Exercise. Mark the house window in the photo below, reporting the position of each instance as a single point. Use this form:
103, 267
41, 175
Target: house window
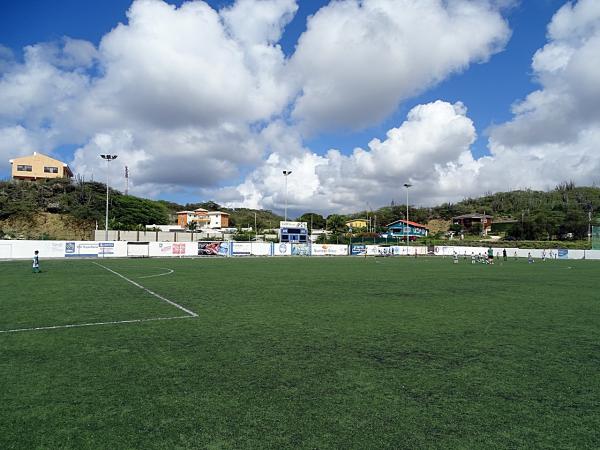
24, 168
48, 169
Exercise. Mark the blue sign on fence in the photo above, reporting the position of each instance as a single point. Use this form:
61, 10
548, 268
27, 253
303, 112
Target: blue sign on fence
358, 249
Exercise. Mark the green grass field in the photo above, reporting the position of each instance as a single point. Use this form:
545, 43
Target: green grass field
300, 353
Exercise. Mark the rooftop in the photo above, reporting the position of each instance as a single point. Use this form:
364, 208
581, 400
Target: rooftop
414, 224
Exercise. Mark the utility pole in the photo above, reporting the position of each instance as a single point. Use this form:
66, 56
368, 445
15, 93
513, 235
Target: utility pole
108, 158
590, 225
126, 180
285, 174
407, 185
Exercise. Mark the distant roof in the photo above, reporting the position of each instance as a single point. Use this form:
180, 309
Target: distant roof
473, 216
352, 220
212, 213
414, 224
201, 209
185, 212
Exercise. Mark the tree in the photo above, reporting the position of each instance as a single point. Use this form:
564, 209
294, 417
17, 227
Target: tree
317, 220
336, 224
456, 227
575, 225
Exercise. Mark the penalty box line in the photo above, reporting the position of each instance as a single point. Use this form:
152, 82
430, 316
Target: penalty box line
158, 296
91, 324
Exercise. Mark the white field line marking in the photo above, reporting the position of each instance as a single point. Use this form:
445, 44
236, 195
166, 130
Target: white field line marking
191, 313
160, 274
78, 325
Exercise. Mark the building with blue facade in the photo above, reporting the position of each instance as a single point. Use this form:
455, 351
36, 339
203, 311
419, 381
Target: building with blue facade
402, 228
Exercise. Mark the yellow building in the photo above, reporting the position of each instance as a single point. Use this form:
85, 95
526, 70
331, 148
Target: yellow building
38, 167
357, 224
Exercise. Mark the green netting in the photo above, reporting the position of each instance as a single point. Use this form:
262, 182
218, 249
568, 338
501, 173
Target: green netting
596, 238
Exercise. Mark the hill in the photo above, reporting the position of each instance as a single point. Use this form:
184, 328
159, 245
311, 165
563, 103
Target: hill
63, 209
563, 211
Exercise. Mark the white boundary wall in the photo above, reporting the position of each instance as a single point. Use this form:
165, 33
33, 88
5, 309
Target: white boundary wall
16, 249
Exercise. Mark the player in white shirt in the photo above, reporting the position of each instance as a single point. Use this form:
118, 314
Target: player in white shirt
36, 262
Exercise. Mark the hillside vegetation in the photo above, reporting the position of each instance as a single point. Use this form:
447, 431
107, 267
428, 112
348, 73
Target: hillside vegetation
562, 212
62, 209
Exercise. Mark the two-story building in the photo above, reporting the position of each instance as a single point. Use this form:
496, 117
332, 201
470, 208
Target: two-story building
218, 219
466, 221
402, 228
202, 218
38, 167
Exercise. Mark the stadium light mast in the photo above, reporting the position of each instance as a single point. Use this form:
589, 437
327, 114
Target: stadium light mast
407, 185
285, 174
108, 158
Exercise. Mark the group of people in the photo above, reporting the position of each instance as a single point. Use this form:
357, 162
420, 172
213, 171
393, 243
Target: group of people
481, 258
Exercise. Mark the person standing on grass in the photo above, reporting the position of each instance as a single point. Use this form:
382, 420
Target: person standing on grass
36, 262
504, 254
490, 256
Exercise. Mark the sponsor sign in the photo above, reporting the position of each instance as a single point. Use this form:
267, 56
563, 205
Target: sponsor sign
300, 250
81, 249
284, 224
213, 248
224, 248
282, 249
241, 248
563, 253
329, 250
106, 248
358, 249
165, 248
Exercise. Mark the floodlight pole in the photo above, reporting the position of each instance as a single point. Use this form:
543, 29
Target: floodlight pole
590, 226
285, 174
407, 185
108, 158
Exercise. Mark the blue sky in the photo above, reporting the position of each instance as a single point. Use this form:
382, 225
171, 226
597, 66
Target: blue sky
488, 85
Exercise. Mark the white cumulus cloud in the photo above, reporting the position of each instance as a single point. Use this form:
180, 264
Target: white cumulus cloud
434, 139
359, 58
192, 97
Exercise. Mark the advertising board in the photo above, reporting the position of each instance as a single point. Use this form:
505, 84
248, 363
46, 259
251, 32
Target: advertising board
282, 249
213, 248
300, 250
358, 250
329, 250
241, 248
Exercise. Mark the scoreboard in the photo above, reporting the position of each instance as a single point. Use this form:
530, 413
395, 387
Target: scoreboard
293, 232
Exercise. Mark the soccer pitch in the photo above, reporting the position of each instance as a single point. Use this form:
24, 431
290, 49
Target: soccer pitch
299, 353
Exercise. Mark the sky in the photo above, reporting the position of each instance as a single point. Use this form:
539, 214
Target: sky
212, 100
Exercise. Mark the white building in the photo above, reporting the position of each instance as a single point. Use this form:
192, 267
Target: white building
218, 219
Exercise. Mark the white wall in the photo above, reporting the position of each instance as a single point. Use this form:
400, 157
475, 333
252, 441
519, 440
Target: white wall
17, 249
